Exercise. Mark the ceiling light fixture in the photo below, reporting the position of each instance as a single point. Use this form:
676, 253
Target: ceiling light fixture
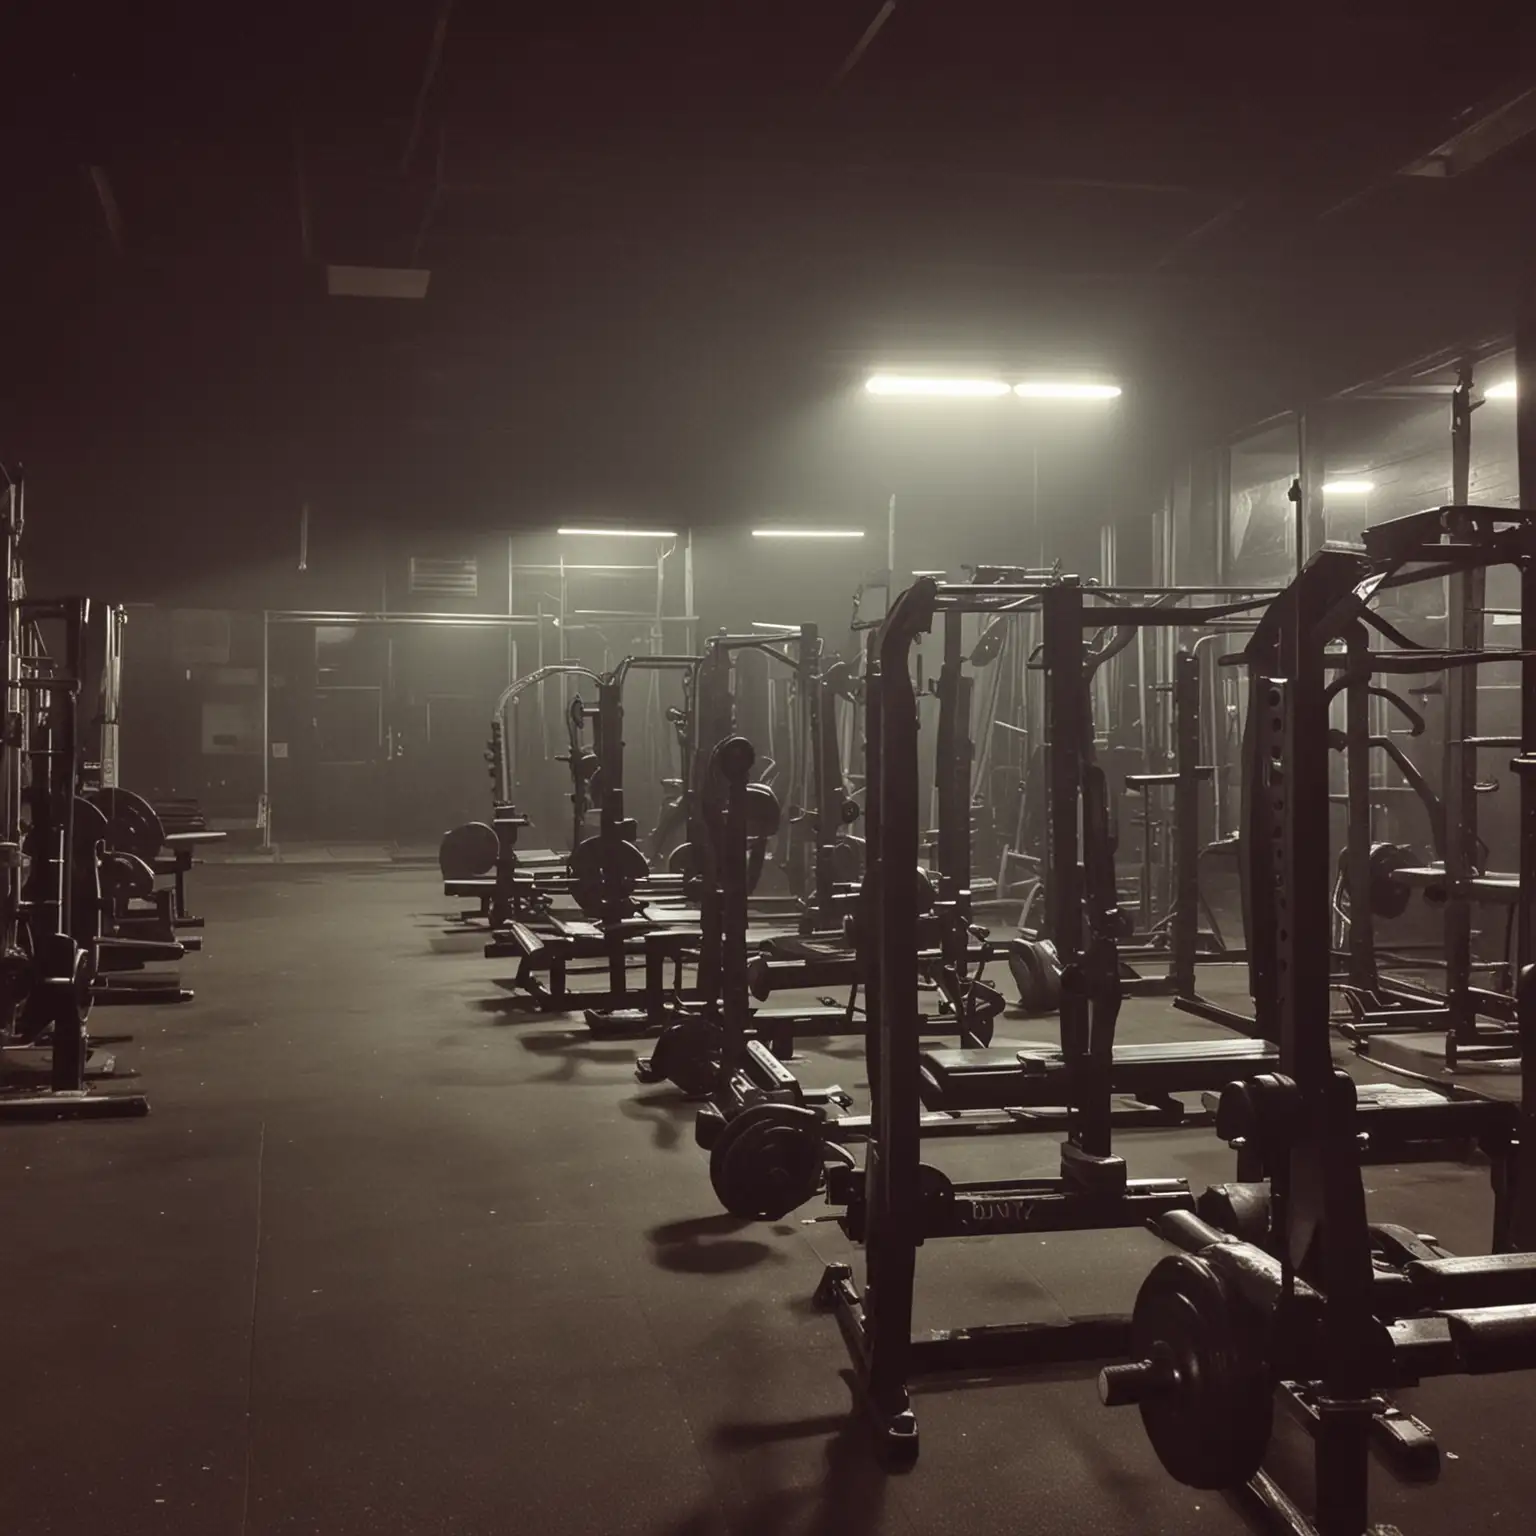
1047, 389
1503, 391
917, 385
807, 533
1348, 487
616, 533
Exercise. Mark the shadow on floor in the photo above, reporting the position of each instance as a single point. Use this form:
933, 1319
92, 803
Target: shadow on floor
708, 1245
669, 1115
521, 1005
570, 1048
456, 941
847, 1496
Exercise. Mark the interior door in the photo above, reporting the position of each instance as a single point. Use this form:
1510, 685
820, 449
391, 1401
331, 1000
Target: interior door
349, 756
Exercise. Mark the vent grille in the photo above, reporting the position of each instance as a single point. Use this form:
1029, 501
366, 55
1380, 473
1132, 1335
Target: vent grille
444, 578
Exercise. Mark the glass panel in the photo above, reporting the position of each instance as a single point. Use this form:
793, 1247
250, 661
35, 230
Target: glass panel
1261, 519
1495, 466
1383, 459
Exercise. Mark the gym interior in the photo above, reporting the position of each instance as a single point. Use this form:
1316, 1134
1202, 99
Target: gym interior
769, 772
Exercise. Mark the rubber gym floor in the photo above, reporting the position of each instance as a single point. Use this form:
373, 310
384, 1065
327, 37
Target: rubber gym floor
393, 1254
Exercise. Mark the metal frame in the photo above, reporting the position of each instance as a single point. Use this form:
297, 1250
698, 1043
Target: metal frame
40, 769
897, 1204
1318, 1191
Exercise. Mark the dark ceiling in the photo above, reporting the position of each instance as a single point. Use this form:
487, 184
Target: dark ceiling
649, 225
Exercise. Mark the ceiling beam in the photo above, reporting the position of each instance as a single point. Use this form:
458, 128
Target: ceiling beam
428, 75
109, 209
1480, 140
860, 48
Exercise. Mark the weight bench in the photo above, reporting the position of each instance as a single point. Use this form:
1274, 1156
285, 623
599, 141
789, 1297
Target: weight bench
1432, 880
660, 946
828, 962
119, 964
1397, 1118
538, 865
999, 1077
541, 884
176, 864
553, 950
803, 962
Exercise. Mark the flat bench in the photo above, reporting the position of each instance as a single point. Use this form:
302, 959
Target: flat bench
1432, 880
1002, 1077
181, 846
1395, 1117
799, 961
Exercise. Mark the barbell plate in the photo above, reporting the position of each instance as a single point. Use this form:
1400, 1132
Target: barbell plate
1211, 1420
767, 1162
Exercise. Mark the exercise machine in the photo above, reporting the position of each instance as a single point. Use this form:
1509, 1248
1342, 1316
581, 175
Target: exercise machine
1311, 1306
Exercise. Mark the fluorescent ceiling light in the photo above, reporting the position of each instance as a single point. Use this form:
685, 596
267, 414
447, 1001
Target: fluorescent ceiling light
782, 629
616, 533
807, 533
955, 389
930, 573
1504, 391
1046, 389
1348, 487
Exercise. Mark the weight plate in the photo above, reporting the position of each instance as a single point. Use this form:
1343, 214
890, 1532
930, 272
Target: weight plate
1036, 971
126, 876
1211, 1417
845, 860
1389, 898
763, 811
767, 1162
739, 1124
687, 1054
588, 860
733, 758
467, 851
132, 825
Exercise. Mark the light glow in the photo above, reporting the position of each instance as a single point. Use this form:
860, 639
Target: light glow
780, 629
1504, 391
1047, 389
616, 533
807, 533
953, 389
1348, 487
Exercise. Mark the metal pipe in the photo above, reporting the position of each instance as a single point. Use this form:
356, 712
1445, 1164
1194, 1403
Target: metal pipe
465, 620
266, 732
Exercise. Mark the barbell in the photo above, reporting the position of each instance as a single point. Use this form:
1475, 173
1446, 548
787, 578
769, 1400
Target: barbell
1202, 1378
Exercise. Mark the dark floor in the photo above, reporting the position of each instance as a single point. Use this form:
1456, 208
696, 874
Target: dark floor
391, 1255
